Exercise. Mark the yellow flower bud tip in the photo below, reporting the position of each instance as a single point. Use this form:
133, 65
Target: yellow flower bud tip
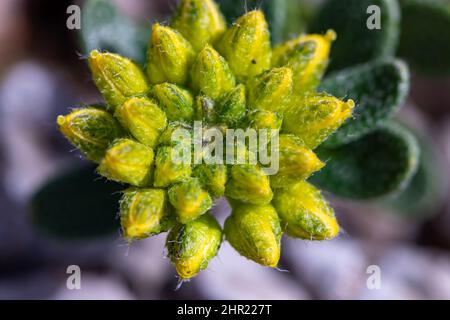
296, 163
261, 119
143, 119
192, 246
167, 170
246, 46
271, 90
91, 130
211, 74
304, 212
189, 199
249, 184
199, 21
129, 162
116, 77
314, 117
169, 56
213, 177
144, 212
254, 231
177, 102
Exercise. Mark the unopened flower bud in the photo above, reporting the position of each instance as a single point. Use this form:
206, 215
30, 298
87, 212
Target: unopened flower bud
192, 246
255, 232
261, 119
211, 75
246, 45
174, 134
170, 167
200, 22
91, 130
117, 78
213, 177
143, 119
232, 107
169, 56
177, 102
128, 161
314, 117
205, 109
304, 212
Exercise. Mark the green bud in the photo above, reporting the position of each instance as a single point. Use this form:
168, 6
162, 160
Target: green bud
199, 21
178, 103
304, 213
128, 161
91, 130
211, 75
205, 109
307, 56
261, 119
255, 232
167, 170
213, 177
117, 78
191, 246
315, 117
233, 106
271, 90
246, 45
169, 56
296, 162
249, 183
189, 200
144, 212
169, 138
143, 119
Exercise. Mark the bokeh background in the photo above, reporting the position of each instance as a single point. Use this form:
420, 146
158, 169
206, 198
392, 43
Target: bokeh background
43, 74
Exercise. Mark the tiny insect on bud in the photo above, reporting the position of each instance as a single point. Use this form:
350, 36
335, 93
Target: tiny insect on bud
296, 163
271, 90
128, 161
91, 130
167, 169
189, 200
199, 21
117, 78
192, 246
255, 232
304, 212
314, 117
307, 56
144, 212
232, 107
246, 45
177, 102
249, 183
213, 177
169, 56
211, 75
143, 119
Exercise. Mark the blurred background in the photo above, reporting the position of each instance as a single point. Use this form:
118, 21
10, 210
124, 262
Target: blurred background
43, 74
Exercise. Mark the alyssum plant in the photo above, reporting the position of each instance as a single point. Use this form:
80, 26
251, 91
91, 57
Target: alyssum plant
228, 77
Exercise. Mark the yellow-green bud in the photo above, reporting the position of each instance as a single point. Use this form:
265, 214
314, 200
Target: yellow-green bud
250, 184
255, 232
307, 56
193, 245
246, 45
167, 169
199, 21
143, 119
128, 161
169, 56
205, 109
261, 119
232, 107
314, 117
144, 212
189, 200
91, 130
213, 177
271, 90
169, 138
211, 75
177, 102
304, 212
117, 78
296, 162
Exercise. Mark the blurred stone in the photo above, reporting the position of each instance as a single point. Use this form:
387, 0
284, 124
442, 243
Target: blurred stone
36, 285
